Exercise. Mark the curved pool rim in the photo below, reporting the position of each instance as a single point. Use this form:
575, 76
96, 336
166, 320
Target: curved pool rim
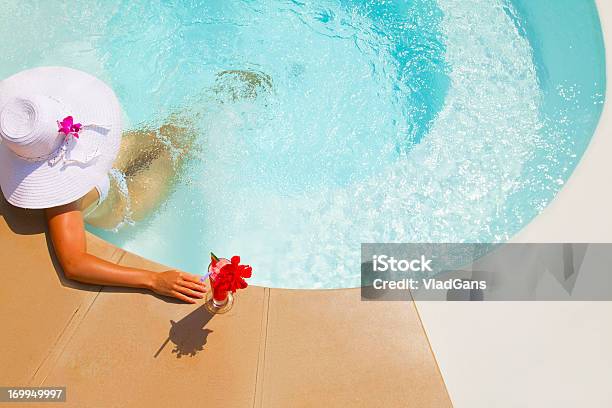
582, 161
539, 26
580, 211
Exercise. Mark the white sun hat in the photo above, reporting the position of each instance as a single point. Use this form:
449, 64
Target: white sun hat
40, 166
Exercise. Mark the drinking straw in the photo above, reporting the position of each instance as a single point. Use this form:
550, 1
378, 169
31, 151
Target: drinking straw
207, 274
203, 277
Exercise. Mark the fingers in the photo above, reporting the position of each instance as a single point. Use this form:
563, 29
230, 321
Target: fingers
189, 292
200, 287
191, 278
182, 297
181, 285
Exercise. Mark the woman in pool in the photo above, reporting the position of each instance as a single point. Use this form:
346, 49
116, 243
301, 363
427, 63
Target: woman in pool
62, 150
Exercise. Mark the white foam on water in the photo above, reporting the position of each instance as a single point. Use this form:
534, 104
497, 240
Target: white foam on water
450, 187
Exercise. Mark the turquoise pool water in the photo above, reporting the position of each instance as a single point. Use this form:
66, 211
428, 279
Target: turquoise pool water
387, 121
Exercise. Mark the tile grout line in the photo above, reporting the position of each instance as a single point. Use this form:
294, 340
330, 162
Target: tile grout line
63, 339
261, 353
433, 355
55, 344
71, 335
48, 363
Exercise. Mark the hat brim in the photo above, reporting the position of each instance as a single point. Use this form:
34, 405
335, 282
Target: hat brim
38, 185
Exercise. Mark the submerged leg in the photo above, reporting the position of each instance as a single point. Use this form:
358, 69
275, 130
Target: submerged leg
151, 159
151, 162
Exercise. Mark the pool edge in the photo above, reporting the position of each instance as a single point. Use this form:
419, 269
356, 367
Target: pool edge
582, 210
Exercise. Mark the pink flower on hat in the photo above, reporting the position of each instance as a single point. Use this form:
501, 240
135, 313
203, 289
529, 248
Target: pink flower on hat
68, 127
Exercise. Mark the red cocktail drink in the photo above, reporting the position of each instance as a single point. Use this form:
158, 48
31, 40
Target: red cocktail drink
226, 277
214, 268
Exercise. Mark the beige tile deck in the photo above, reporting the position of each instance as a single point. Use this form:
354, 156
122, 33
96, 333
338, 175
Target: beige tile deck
37, 303
127, 344
117, 347
330, 349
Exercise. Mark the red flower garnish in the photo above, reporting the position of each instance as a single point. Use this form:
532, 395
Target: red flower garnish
230, 277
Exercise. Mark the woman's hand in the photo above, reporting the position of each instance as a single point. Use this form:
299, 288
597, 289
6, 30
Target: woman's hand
181, 285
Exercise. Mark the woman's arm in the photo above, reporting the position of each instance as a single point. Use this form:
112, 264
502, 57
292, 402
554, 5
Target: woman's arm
67, 231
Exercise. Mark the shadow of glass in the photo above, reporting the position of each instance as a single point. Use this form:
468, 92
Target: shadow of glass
188, 335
